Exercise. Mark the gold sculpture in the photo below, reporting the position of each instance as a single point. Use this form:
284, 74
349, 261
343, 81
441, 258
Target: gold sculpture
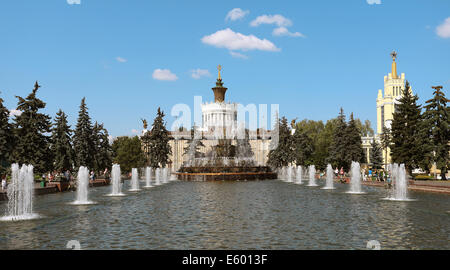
219, 68
293, 122
144, 122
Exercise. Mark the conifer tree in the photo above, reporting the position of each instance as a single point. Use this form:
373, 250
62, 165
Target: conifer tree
436, 118
303, 147
283, 154
376, 155
30, 129
6, 138
338, 149
386, 141
103, 150
159, 148
405, 130
354, 151
193, 146
83, 139
61, 146
243, 147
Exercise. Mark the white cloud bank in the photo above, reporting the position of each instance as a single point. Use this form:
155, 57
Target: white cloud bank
121, 60
238, 55
443, 30
71, 2
371, 2
14, 112
236, 14
164, 75
232, 41
277, 19
198, 73
283, 31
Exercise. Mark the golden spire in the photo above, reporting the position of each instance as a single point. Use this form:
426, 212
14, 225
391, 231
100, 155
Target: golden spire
394, 65
219, 68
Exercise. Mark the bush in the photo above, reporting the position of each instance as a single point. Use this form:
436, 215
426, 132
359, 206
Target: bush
423, 177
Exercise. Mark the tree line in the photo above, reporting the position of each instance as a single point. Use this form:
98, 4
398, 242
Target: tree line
32, 138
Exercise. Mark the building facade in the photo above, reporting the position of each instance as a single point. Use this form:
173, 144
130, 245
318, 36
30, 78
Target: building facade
386, 100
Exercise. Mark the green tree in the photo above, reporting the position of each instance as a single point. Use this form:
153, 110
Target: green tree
354, 149
303, 148
83, 139
243, 147
61, 146
283, 154
103, 150
376, 155
193, 146
30, 129
128, 153
337, 155
405, 130
323, 142
159, 148
386, 141
436, 117
6, 138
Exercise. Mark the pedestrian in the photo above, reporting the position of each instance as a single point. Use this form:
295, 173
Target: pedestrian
91, 176
4, 182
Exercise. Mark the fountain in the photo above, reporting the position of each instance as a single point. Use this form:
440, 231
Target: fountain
157, 178
289, 173
164, 175
134, 180
82, 187
20, 194
312, 176
148, 177
330, 175
116, 181
299, 175
399, 190
355, 180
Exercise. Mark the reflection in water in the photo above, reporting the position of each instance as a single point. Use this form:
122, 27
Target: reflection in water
234, 215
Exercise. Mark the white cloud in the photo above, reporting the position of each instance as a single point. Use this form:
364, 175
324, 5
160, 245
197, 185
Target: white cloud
198, 73
14, 113
121, 60
71, 2
371, 2
238, 55
277, 19
231, 40
443, 30
283, 31
164, 75
111, 139
134, 131
236, 14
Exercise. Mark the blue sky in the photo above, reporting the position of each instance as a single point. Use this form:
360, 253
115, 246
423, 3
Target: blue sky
310, 57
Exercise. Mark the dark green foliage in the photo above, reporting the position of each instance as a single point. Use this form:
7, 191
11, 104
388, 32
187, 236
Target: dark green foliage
193, 146
405, 130
30, 129
283, 154
83, 139
303, 148
386, 140
436, 126
159, 148
103, 150
354, 151
243, 147
61, 146
376, 155
337, 154
128, 153
6, 138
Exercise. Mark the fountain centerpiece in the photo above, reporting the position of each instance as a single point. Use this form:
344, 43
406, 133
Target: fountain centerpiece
20, 194
355, 180
399, 190
230, 157
330, 174
116, 181
82, 187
